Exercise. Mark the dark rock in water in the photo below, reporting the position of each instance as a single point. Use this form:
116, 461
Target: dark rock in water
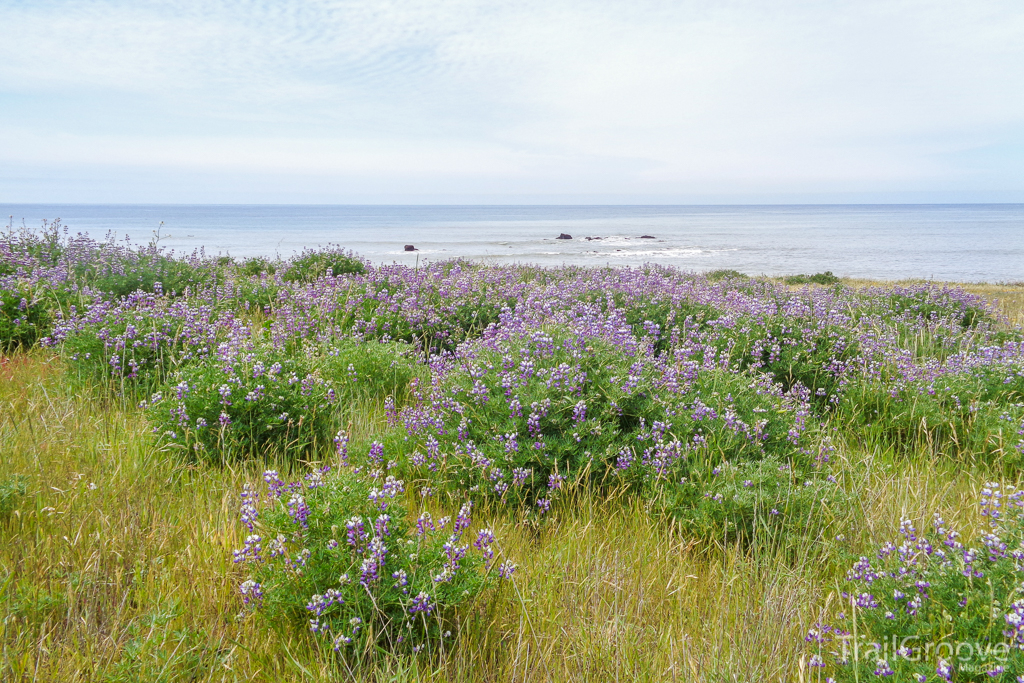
647, 237
410, 247
593, 238
563, 236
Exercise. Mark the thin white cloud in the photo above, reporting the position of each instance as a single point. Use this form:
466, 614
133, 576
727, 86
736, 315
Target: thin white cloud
589, 97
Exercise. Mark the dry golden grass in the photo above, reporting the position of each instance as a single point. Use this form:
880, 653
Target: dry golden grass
117, 566
1008, 296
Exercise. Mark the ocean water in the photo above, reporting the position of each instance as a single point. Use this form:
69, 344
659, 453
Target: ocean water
965, 242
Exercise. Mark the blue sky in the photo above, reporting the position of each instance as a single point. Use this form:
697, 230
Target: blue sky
548, 101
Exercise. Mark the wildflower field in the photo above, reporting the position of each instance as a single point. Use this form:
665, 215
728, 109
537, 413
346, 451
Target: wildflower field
320, 469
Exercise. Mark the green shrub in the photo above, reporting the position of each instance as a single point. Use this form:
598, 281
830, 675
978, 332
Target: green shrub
938, 303
975, 414
312, 265
24, 319
522, 418
258, 401
793, 355
148, 271
139, 341
653, 320
798, 357
256, 266
826, 278
261, 400
929, 608
336, 555
258, 293
724, 274
766, 503
431, 318
361, 371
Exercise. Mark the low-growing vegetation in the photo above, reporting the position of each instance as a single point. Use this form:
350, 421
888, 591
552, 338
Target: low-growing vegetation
320, 469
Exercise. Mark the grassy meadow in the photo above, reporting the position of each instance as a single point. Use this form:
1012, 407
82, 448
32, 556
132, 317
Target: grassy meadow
119, 517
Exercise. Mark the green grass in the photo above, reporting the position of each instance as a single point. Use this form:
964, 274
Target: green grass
132, 579
115, 565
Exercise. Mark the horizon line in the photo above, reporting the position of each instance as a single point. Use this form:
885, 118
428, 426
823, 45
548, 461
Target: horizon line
502, 205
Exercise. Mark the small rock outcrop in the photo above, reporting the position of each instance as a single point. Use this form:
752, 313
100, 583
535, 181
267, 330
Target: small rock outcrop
410, 247
647, 237
564, 236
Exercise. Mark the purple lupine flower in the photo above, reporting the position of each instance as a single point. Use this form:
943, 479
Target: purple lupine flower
1015, 624
520, 475
464, 519
991, 502
250, 551
391, 488
818, 634
422, 603
424, 524
390, 412
274, 484
356, 533
867, 601
276, 546
624, 459
252, 593
247, 509
181, 390
374, 562
318, 604
511, 442
485, 538
298, 510
315, 479
341, 447
454, 553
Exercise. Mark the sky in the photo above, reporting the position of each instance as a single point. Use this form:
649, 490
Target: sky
525, 101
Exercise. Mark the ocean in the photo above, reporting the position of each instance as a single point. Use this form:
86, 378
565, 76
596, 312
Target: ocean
961, 242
